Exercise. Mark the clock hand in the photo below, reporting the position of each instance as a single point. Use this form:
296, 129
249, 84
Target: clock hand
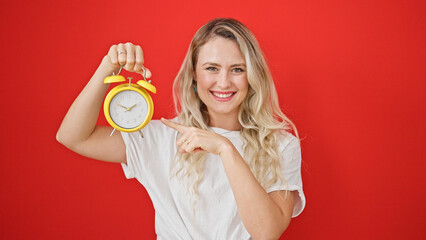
130, 108
122, 106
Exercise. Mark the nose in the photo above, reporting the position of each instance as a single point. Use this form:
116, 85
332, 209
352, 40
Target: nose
224, 80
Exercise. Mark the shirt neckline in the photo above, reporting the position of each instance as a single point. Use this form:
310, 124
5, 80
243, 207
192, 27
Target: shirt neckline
224, 132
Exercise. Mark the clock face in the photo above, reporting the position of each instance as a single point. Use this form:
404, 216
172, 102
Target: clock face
128, 109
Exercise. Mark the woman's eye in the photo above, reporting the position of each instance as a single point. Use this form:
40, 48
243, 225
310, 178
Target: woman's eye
211, 68
238, 70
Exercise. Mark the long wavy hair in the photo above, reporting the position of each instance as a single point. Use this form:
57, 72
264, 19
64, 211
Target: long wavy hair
259, 114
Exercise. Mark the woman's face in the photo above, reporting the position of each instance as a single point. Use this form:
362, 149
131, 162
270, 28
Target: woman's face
221, 77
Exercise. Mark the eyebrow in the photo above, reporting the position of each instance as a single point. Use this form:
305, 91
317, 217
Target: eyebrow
218, 65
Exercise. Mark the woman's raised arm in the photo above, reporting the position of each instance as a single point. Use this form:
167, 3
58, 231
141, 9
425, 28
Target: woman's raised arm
78, 130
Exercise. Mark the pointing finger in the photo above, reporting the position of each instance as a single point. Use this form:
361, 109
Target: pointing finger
176, 126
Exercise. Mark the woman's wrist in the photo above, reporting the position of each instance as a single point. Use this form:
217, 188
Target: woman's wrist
105, 69
227, 149
108, 67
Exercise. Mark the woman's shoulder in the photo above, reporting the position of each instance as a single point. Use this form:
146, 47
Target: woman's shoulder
289, 147
287, 140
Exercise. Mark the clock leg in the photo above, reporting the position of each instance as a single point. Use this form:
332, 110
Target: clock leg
112, 132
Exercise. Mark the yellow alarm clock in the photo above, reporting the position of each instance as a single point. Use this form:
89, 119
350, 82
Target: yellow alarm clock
129, 107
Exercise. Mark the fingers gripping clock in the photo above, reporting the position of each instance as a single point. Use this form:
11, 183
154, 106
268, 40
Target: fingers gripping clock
129, 107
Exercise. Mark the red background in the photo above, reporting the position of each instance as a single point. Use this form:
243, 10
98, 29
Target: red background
351, 74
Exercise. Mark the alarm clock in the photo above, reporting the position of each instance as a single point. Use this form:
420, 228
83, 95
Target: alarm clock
129, 107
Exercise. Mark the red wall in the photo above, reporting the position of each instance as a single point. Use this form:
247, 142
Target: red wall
351, 74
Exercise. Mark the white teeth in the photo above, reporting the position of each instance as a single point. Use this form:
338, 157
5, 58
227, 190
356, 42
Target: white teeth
222, 95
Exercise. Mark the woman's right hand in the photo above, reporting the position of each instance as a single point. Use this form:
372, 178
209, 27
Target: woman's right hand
129, 56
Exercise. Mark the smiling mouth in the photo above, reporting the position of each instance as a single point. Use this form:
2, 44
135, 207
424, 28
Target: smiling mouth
223, 95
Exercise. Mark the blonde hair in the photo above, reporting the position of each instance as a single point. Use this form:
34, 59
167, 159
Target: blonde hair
259, 115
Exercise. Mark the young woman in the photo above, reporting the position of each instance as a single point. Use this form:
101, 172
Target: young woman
226, 167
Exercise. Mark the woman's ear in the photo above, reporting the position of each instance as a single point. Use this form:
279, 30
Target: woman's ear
194, 74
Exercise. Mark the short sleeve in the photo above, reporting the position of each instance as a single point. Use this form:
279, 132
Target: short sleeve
291, 171
133, 166
147, 154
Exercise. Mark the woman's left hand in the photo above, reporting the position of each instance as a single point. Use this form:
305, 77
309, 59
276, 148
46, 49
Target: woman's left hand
194, 139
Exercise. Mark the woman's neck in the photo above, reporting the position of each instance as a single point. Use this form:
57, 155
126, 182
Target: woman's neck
227, 121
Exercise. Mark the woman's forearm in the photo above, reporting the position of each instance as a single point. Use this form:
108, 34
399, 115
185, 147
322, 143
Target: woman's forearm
261, 216
82, 116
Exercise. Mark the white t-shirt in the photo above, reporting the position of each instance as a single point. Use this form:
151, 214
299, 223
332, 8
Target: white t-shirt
149, 160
